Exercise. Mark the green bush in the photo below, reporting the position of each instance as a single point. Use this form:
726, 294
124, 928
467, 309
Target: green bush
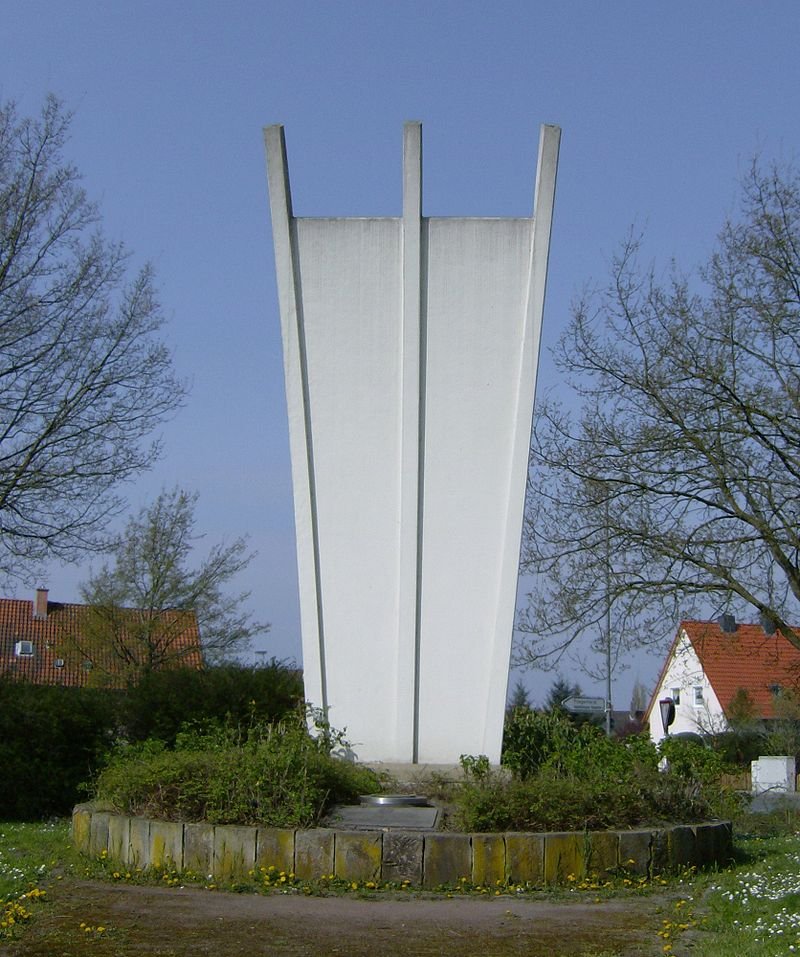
559, 776
273, 774
51, 740
598, 798
535, 741
692, 761
163, 701
531, 738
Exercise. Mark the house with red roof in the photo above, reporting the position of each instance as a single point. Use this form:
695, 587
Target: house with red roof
41, 641
712, 666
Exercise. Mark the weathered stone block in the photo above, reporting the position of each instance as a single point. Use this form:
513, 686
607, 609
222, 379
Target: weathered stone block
659, 852
564, 855
139, 852
98, 833
603, 852
234, 851
724, 842
198, 848
525, 858
275, 848
313, 853
81, 829
714, 844
705, 844
488, 859
166, 844
119, 836
357, 855
634, 851
682, 845
402, 857
446, 859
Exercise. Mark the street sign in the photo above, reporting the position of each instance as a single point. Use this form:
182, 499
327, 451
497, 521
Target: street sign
583, 705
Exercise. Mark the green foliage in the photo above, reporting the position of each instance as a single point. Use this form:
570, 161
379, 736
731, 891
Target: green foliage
163, 701
559, 776
553, 801
530, 738
51, 740
155, 570
519, 698
534, 740
273, 774
560, 690
692, 761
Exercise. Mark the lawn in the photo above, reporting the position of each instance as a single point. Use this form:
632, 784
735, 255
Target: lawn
751, 909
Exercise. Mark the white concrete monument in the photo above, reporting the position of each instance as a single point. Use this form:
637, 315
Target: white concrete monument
410, 350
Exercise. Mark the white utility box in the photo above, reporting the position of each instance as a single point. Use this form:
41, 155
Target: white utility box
773, 773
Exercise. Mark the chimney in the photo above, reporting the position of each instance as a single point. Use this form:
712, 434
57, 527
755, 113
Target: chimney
727, 623
768, 623
40, 603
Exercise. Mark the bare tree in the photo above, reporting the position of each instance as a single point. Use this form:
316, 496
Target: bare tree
133, 622
672, 480
84, 379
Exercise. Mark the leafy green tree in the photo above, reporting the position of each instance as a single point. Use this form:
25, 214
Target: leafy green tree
560, 690
133, 623
519, 697
680, 454
84, 377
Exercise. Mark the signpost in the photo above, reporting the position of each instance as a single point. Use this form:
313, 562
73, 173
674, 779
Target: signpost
581, 704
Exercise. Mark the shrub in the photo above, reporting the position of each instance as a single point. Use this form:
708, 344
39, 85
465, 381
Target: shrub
159, 705
531, 738
51, 740
564, 777
273, 774
596, 799
692, 761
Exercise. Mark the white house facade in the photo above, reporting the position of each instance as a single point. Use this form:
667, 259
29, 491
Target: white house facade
697, 707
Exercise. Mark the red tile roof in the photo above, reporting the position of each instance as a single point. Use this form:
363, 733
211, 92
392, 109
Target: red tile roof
747, 658
50, 663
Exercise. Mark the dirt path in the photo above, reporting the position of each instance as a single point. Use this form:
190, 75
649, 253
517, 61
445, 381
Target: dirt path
173, 922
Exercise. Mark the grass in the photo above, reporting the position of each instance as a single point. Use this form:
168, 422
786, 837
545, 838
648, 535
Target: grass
30, 856
751, 908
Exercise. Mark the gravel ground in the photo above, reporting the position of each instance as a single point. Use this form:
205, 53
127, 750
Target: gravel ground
179, 922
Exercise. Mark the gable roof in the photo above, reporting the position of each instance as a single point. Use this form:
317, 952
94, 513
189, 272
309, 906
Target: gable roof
747, 658
48, 664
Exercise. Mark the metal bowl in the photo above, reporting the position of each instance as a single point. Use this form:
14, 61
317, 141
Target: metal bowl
394, 800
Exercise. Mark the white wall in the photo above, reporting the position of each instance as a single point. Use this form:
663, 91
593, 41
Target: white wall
685, 673
410, 348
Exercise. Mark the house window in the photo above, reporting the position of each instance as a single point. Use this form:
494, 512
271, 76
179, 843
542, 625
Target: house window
698, 696
58, 663
23, 649
676, 695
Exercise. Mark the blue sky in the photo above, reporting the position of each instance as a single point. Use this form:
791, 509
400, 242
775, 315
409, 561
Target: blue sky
662, 106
